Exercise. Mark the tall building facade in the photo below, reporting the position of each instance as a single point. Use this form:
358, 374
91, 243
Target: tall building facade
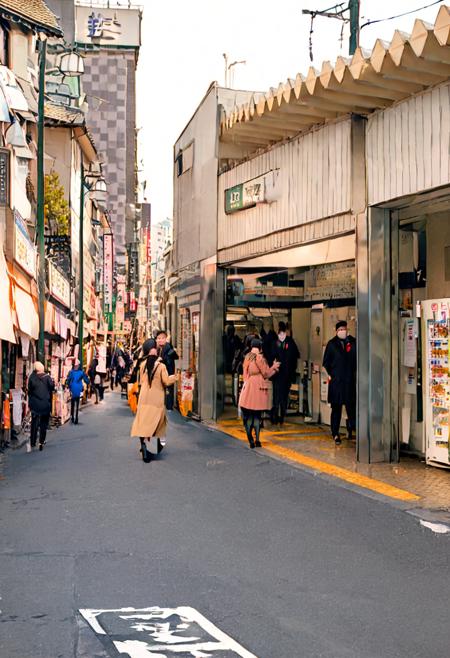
110, 39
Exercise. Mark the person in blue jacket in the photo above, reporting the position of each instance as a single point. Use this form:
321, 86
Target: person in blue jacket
75, 383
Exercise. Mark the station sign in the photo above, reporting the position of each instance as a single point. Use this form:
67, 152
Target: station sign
245, 195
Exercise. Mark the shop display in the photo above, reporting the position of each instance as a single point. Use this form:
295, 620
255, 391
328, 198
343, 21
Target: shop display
437, 326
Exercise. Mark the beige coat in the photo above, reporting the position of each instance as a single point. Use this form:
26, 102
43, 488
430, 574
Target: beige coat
151, 419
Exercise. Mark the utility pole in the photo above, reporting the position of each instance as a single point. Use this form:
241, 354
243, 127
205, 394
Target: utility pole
354, 25
339, 11
228, 68
40, 198
81, 268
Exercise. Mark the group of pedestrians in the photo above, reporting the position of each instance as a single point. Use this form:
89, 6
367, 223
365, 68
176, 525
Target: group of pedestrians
269, 367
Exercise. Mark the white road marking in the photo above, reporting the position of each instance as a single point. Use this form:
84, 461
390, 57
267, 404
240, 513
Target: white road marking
438, 528
162, 632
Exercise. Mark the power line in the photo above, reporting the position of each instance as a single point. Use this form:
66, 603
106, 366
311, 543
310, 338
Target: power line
406, 13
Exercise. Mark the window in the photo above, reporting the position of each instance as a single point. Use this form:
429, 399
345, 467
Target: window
185, 159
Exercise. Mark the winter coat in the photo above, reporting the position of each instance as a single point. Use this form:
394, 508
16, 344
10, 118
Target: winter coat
255, 394
40, 388
75, 382
286, 352
339, 361
150, 419
169, 356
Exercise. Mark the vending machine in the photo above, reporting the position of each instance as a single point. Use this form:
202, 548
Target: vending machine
436, 327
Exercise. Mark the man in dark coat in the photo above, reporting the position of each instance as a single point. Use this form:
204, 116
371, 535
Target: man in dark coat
340, 363
168, 356
40, 389
284, 350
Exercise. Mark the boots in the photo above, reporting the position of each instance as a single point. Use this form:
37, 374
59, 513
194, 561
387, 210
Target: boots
248, 429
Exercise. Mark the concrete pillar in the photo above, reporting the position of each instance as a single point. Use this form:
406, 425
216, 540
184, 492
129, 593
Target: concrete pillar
376, 332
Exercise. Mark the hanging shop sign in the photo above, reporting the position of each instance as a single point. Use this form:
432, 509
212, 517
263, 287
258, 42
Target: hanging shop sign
330, 281
58, 285
245, 195
24, 249
4, 177
108, 272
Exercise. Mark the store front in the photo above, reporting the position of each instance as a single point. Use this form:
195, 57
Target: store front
310, 288
403, 283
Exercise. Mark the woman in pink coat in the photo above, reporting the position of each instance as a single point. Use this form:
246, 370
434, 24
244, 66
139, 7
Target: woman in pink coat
254, 398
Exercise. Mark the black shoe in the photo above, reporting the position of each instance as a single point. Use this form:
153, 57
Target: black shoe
160, 446
251, 444
146, 454
258, 444
76, 421
41, 447
337, 440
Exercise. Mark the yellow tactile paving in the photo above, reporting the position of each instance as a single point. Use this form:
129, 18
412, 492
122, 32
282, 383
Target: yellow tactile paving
233, 428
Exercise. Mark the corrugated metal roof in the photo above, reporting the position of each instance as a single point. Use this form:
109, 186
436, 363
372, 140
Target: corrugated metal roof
34, 11
363, 84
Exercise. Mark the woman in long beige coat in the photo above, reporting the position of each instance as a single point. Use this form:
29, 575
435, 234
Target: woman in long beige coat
151, 419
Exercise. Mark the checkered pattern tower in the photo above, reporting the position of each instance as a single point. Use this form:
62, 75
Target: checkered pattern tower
109, 83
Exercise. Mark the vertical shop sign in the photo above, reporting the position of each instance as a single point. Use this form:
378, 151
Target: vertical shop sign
24, 249
108, 272
4, 177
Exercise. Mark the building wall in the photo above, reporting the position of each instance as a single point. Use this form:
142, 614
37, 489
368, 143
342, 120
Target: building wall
408, 146
58, 146
65, 12
438, 244
109, 84
195, 191
310, 177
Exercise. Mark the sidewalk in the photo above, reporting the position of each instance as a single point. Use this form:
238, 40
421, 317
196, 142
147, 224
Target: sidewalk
310, 446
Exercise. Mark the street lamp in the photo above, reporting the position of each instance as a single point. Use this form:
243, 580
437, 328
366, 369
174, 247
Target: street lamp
71, 63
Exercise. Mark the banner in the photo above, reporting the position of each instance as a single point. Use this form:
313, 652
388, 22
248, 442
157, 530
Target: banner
108, 271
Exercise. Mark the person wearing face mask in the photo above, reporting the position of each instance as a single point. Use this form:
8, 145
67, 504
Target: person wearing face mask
285, 351
339, 361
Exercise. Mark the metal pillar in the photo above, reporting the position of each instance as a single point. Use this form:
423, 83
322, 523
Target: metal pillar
375, 337
40, 198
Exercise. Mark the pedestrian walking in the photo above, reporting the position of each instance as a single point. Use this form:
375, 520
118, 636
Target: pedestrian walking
92, 372
74, 382
340, 363
254, 398
286, 352
40, 389
168, 356
151, 419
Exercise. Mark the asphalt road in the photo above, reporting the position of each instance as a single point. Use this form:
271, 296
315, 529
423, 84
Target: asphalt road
285, 563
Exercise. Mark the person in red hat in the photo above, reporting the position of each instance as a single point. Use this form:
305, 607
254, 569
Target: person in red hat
339, 361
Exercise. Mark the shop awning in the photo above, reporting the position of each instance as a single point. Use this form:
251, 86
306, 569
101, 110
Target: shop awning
13, 93
363, 84
27, 315
316, 253
6, 323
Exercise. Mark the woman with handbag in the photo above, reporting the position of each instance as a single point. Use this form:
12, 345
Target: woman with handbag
254, 398
151, 420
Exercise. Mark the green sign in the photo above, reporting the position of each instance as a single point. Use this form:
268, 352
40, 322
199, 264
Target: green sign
234, 198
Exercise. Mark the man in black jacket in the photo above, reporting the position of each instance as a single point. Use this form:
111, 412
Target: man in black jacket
168, 356
339, 361
40, 389
284, 350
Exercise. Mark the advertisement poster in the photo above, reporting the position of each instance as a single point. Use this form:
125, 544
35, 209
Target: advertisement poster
439, 386
186, 392
409, 342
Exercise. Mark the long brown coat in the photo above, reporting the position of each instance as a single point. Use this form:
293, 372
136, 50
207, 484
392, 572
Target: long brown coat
256, 389
151, 419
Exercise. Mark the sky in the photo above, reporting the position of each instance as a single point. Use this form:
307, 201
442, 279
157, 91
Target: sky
183, 42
